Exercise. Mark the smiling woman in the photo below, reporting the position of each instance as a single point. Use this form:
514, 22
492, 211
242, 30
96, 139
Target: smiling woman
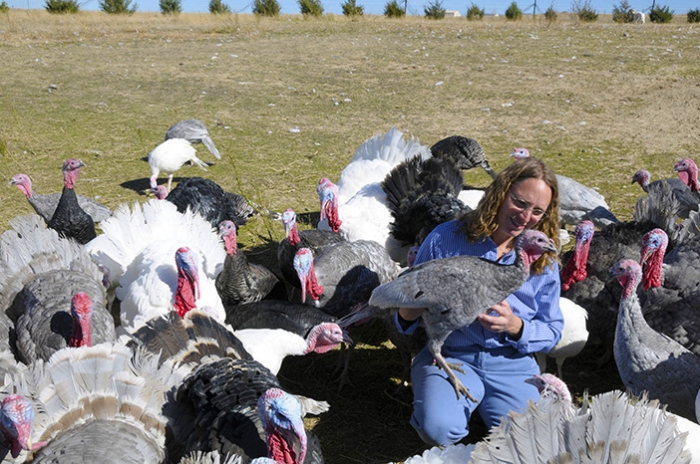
496, 351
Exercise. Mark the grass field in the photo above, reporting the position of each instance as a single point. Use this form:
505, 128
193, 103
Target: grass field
288, 100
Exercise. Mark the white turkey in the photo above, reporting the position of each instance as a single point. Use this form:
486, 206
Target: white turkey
42, 273
240, 281
215, 409
574, 336
45, 205
169, 157
154, 286
612, 428
96, 404
454, 291
647, 360
194, 131
69, 219
361, 201
272, 330
576, 201
138, 245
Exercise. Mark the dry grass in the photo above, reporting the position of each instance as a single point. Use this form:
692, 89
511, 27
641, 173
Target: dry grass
596, 101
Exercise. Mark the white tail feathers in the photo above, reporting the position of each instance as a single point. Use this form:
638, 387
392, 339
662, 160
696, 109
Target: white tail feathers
108, 382
612, 429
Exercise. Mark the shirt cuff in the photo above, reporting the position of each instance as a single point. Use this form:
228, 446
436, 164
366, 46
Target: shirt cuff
521, 343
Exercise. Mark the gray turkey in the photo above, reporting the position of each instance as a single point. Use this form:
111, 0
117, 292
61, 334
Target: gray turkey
597, 293
454, 291
194, 131
687, 200
45, 205
215, 409
41, 275
577, 201
97, 404
240, 281
69, 219
672, 292
647, 360
313, 239
343, 274
212, 202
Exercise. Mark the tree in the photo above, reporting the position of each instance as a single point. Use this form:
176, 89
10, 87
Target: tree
310, 7
393, 10
475, 13
434, 10
218, 7
118, 6
513, 12
584, 11
266, 8
352, 9
660, 14
62, 6
4, 7
623, 13
172, 7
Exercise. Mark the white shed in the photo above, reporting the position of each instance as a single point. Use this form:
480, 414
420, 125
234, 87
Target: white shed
452, 14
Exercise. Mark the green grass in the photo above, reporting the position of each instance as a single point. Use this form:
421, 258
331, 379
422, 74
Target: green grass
105, 89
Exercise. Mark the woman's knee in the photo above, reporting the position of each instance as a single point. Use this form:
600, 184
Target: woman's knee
437, 429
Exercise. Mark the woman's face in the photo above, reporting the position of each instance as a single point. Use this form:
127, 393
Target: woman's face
523, 207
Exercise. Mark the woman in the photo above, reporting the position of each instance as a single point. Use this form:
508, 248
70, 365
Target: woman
496, 351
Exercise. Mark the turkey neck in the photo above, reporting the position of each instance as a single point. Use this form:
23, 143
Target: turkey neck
293, 236
81, 332
69, 178
652, 271
185, 298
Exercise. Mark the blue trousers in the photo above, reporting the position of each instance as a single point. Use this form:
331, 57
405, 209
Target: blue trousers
496, 378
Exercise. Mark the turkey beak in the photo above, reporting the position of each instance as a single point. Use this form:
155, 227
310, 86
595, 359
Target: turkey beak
550, 246
346, 337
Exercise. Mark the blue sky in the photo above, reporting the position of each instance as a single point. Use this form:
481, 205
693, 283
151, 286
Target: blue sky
377, 6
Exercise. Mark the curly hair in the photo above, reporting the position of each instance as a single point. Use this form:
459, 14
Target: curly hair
482, 223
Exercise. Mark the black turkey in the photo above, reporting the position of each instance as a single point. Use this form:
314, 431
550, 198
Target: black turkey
69, 219
45, 205
240, 281
207, 198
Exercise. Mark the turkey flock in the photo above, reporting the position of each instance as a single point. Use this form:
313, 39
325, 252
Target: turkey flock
145, 334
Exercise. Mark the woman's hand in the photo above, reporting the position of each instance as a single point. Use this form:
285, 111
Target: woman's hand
503, 321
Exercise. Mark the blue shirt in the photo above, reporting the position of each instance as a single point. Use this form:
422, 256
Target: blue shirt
536, 302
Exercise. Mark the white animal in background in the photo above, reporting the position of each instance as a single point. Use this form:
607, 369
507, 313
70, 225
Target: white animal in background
169, 157
573, 337
637, 17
